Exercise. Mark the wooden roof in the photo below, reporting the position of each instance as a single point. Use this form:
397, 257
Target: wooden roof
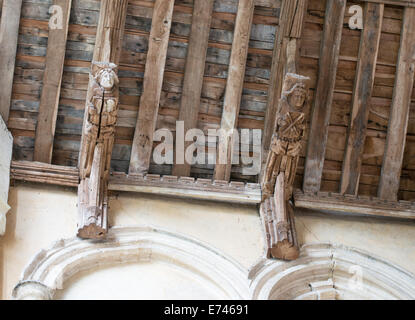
31, 60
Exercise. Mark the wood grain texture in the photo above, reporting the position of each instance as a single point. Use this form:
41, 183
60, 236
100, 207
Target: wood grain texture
9, 32
52, 79
289, 29
354, 205
398, 122
153, 80
234, 88
329, 56
194, 72
365, 77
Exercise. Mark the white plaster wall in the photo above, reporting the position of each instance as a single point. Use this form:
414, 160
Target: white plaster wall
41, 215
6, 145
144, 281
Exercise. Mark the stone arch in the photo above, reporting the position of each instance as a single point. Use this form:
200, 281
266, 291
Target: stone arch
326, 271
51, 269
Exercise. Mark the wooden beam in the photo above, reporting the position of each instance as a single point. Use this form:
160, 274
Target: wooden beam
52, 79
289, 29
153, 81
234, 88
329, 56
99, 122
194, 72
365, 77
184, 187
404, 3
398, 121
9, 33
355, 205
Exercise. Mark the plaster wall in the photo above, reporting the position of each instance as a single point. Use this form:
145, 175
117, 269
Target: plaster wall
6, 145
41, 215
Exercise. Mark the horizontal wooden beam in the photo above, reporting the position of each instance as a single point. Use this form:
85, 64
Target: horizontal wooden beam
403, 3
44, 173
202, 189
187, 187
335, 202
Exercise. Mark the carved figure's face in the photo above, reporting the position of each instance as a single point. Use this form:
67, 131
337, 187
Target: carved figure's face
107, 79
297, 98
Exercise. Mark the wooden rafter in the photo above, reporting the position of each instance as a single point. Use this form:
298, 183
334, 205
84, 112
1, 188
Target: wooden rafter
99, 122
52, 79
194, 73
365, 77
329, 56
398, 122
289, 28
9, 32
234, 87
153, 81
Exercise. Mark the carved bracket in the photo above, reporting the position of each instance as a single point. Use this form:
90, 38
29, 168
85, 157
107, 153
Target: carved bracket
95, 157
281, 167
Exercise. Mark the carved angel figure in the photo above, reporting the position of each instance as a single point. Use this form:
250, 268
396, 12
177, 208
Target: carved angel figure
290, 129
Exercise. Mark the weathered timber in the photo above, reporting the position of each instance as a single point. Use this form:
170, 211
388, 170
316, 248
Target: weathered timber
52, 79
195, 69
184, 187
398, 121
355, 205
9, 32
290, 28
234, 88
99, 123
289, 132
278, 224
329, 56
365, 77
153, 80
44, 173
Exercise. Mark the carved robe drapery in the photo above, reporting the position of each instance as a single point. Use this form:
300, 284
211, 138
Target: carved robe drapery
281, 167
95, 157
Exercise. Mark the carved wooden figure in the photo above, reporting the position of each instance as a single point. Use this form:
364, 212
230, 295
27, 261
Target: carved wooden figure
281, 167
95, 161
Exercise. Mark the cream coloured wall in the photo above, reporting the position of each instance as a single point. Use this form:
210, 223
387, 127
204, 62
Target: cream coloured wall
6, 146
41, 215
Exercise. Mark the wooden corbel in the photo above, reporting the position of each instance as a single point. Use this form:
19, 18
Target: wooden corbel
95, 156
99, 122
281, 166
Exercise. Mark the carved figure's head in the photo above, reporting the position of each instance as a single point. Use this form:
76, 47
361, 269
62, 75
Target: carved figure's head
105, 75
295, 90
